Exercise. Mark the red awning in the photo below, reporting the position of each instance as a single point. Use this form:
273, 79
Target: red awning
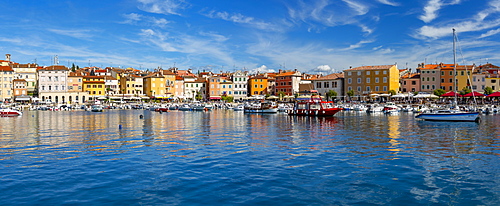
474, 94
215, 98
451, 94
494, 94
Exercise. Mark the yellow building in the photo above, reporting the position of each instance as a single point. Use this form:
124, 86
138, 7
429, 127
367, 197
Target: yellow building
367, 80
94, 85
169, 82
154, 85
257, 85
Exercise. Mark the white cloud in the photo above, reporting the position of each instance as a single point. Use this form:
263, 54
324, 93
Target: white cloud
358, 45
430, 10
261, 69
361, 9
75, 33
490, 33
166, 7
388, 2
241, 19
134, 18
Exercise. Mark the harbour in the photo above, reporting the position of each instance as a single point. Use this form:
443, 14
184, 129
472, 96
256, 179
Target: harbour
225, 157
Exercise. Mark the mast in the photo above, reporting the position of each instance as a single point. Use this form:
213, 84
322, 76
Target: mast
454, 68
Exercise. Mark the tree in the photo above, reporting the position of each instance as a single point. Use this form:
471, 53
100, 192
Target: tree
439, 92
227, 98
465, 91
488, 90
350, 93
416, 92
392, 92
331, 94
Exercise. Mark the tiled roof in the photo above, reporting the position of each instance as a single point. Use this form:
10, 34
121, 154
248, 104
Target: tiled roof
330, 76
370, 67
55, 68
6, 69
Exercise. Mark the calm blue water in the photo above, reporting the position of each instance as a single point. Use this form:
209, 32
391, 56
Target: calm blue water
229, 158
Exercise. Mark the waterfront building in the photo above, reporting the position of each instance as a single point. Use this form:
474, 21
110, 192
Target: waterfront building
479, 81
53, 84
179, 87
257, 85
194, 88
240, 81
111, 85
95, 86
334, 82
493, 81
430, 77
461, 77
410, 82
288, 82
226, 87
154, 85
367, 80
19, 90
75, 92
169, 84
28, 73
215, 87
6, 77
131, 84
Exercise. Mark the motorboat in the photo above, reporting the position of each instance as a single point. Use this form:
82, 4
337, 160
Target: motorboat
314, 106
9, 112
390, 107
451, 115
261, 107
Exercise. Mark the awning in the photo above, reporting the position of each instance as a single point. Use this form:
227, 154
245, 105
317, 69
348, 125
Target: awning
215, 97
22, 99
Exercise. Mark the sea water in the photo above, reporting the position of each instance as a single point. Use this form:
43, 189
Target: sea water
139, 157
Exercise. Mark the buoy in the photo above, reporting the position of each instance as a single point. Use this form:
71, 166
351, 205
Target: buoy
120, 126
141, 116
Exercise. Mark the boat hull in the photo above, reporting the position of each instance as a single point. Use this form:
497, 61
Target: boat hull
273, 110
451, 117
322, 112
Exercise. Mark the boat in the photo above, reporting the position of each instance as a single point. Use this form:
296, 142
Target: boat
453, 113
314, 106
239, 107
185, 107
261, 107
96, 108
390, 107
374, 108
9, 113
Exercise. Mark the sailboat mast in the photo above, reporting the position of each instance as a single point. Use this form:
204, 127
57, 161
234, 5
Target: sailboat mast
454, 67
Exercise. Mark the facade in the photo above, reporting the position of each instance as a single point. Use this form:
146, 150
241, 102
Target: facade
226, 87
367, 80
6, 77
95, 86
28, 73
257, 85
169, 82
240, 80
111, 85
53, 84
333, 82
19, 89
493, 81
410, 83
462, 74
179, 87
154, 85
288, 82
194, 88
430, 77
479, 81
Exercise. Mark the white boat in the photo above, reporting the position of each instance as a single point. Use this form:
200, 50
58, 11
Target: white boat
390, 107
10, 113
240, 107
261, 107
451, 114
374, 108
185, 107
96, 108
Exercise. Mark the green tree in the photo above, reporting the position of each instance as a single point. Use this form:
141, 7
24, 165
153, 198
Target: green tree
392, 92
227, 98
465, 91
198, 96
488, 90
415, 93
439, 92
331, 94
350, 93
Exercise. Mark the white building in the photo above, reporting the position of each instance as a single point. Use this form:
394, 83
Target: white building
240, 82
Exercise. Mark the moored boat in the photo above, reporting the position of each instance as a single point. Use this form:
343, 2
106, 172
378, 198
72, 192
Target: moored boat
261, 107
449, 115
10, 113
314, 106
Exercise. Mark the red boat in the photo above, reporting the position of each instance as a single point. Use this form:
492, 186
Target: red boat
314, 106
9, 113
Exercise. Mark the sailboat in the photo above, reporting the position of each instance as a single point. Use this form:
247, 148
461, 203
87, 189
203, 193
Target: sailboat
452, 114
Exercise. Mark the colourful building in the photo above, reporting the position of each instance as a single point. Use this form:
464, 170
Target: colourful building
257, 85
367, 80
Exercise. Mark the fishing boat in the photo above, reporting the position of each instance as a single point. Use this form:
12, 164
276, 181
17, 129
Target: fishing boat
96, 108
239, 107
453, 113
9, 113
261, 107
314, 106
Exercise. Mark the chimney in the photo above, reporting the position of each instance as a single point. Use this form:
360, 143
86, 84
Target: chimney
7, 57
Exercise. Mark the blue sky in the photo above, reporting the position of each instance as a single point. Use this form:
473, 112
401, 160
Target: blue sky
265, 35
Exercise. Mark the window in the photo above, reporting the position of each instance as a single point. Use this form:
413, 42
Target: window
385, 88
376, 72
359, 80
384, 72
376, 79
368, 80
349, 73
376, 88
367, 72
359, 89
318, 84
385, 80
368, 88
349, 81
359, 73
327, 84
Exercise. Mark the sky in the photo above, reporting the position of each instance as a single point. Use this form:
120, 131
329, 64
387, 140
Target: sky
312, 36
